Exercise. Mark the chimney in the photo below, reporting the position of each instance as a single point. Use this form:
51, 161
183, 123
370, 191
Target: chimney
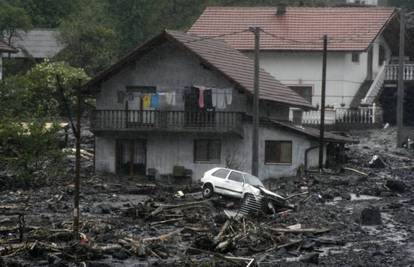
281, 9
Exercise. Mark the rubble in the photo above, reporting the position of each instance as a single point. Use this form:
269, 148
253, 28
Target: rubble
348, 218
371, 216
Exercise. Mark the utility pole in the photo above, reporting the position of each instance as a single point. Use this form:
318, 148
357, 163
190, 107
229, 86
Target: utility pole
400, 90
77, 166
322, 124
255, 136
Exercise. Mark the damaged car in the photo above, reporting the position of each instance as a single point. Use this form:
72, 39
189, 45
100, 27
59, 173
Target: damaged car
242, 185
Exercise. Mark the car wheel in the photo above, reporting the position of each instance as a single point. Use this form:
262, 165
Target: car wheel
207, 190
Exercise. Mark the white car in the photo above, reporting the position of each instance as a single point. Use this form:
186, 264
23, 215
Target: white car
237, 184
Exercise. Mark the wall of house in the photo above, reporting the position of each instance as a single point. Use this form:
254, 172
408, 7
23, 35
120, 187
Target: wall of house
344, 77
170, 68
166, 150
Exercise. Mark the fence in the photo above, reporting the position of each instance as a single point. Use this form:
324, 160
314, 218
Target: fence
365, 117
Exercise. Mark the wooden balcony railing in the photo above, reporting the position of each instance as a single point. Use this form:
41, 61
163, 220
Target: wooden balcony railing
147, 120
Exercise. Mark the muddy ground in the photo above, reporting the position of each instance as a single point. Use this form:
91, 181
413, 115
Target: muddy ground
360, 216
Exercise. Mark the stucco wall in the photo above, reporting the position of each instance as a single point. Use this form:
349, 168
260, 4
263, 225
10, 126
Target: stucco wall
164, 151
170, 68
344, 77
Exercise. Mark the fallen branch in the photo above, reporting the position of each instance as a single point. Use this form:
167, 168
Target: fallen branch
356, 171
302, 230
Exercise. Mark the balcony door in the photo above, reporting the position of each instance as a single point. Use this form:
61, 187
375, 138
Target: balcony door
131, 156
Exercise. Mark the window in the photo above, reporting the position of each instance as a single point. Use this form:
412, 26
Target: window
222, 173
355, 57
207, 150
236, 176
278, 152
304, 91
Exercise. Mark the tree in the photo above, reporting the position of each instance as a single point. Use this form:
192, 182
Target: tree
12, 18
89, 38
49, 13
35, 94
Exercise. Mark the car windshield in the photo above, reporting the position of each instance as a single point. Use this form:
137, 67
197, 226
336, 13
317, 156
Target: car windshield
252, 180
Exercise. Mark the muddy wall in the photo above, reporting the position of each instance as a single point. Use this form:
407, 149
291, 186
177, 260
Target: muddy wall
166, 150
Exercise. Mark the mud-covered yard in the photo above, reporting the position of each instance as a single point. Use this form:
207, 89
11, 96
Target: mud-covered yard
360, 216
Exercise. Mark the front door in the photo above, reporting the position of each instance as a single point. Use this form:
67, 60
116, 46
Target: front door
131, 156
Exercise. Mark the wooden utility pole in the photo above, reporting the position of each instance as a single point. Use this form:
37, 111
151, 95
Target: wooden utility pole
76, 212
255, 136
322, 124
400, 92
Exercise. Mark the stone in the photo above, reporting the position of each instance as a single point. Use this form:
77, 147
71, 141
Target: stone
371, 216
396, 186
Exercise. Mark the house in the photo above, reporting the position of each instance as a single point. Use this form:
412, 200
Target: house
291, 49
32, 47
4, 48
38, 44
184, 101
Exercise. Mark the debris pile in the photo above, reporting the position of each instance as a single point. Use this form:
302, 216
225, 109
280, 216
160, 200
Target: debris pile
361, 215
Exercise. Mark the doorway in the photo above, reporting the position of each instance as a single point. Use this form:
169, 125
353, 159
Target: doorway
131, 156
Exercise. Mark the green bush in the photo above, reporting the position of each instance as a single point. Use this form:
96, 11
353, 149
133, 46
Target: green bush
30, 151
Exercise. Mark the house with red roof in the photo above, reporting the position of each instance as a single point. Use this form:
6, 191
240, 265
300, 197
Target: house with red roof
291, 44
181, 104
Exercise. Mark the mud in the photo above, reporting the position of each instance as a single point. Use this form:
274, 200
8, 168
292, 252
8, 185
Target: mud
136, 222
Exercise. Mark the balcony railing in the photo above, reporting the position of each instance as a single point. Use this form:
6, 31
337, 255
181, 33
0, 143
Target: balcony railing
392, 72
180, 121
363, 116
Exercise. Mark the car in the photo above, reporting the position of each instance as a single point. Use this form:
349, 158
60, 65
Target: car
238, 184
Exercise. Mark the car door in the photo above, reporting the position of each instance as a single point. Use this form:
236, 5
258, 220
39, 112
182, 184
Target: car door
220, 180
234, 186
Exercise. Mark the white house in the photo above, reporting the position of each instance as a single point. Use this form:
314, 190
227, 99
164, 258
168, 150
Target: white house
291, 44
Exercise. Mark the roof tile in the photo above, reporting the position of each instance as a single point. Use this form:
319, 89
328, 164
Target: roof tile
348, 28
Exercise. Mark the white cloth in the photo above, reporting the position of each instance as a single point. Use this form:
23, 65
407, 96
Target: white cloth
229, 96
214, 96
221, 99
170, 98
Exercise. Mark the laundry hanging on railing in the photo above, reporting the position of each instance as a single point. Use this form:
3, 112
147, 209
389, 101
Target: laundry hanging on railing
216, 97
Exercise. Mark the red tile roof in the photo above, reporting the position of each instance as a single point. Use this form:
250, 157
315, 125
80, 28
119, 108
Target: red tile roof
6, 48
231, 63
300, 28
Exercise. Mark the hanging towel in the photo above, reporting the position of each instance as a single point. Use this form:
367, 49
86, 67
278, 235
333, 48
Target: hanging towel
214, 97
170, 98
146, 101
208, 101
229, 96
221, 100
155, 100
201, 96
130, 96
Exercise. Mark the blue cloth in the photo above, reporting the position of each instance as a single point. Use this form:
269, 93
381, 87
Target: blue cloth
155, 101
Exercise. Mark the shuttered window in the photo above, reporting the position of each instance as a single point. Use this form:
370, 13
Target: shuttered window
207, 150
278, 152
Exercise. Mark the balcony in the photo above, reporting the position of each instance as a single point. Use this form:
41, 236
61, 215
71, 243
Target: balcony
392, 72
166, 121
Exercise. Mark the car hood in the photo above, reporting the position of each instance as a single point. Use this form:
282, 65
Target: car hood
270, 193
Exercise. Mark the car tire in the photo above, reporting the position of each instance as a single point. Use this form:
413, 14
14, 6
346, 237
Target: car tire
208, 191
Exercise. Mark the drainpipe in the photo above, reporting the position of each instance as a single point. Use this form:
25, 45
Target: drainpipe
306, 155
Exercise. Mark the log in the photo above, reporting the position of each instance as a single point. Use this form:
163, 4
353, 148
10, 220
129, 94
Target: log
222, 230
356, 171
302, 230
